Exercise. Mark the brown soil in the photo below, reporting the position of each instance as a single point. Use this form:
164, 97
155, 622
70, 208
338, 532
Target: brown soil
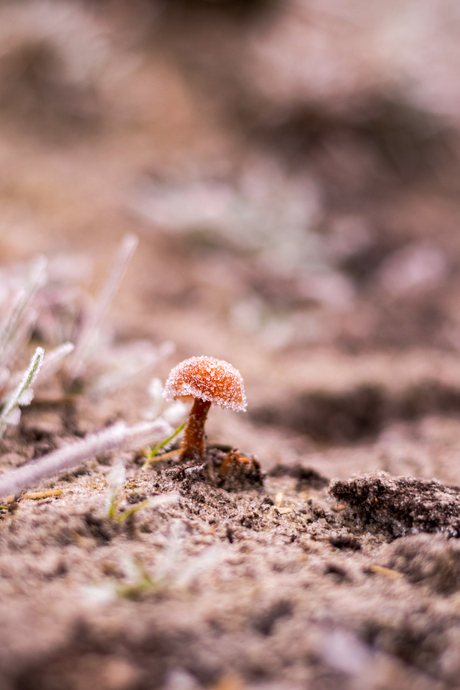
329, 557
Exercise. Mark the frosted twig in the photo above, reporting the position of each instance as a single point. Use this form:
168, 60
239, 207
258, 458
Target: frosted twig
116, 436
102, 304
36, 279
67, 456
22, 394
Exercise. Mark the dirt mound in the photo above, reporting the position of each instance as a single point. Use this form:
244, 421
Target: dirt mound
397, 506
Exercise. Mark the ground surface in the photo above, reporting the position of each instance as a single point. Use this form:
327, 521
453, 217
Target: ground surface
346, 333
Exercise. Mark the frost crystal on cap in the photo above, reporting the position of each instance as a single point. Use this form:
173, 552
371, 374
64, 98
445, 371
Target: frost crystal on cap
209, 379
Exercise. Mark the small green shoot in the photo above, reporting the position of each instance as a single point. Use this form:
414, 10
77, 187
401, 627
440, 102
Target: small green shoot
154, 502
158, 446
21, 310
134, 509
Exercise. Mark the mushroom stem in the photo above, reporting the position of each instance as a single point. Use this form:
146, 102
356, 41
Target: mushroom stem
193, 440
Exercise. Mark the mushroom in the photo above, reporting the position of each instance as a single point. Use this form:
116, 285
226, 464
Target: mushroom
207, 380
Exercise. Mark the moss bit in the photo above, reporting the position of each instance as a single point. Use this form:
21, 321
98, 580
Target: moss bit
208, 381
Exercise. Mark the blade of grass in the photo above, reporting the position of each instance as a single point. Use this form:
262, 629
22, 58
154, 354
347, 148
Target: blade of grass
53, 359
163, 500
102, 305
159, 446
36, 279
25, 384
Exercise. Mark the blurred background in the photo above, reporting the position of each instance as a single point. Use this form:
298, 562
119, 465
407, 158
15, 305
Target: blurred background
291, 167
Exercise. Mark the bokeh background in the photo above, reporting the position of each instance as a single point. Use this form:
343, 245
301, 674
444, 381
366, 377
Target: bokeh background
291, 168
292, 171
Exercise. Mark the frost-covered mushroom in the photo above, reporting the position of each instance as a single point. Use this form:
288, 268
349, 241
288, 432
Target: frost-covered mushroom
208, 381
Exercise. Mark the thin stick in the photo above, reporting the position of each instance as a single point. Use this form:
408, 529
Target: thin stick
116, 436
36, 495
67, 456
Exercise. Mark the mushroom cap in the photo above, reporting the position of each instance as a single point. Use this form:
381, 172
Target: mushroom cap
209, 379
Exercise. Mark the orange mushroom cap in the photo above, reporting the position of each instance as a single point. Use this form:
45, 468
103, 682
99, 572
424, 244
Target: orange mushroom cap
208, 379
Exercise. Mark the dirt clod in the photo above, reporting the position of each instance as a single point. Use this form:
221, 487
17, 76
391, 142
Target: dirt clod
345, 541
427, 560
398, 506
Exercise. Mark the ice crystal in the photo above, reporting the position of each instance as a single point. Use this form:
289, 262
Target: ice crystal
209, 379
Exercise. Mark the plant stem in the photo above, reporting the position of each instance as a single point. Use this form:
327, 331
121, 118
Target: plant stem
158, 446
193, 441
27, 380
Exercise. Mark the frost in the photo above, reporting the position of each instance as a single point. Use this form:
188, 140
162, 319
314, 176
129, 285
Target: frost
45, 297
14, 417
209, 379
23, 394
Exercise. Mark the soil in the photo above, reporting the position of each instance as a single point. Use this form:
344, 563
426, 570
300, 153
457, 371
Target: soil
325, 552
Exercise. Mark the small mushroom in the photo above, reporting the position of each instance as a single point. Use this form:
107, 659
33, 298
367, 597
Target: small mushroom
207, 380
